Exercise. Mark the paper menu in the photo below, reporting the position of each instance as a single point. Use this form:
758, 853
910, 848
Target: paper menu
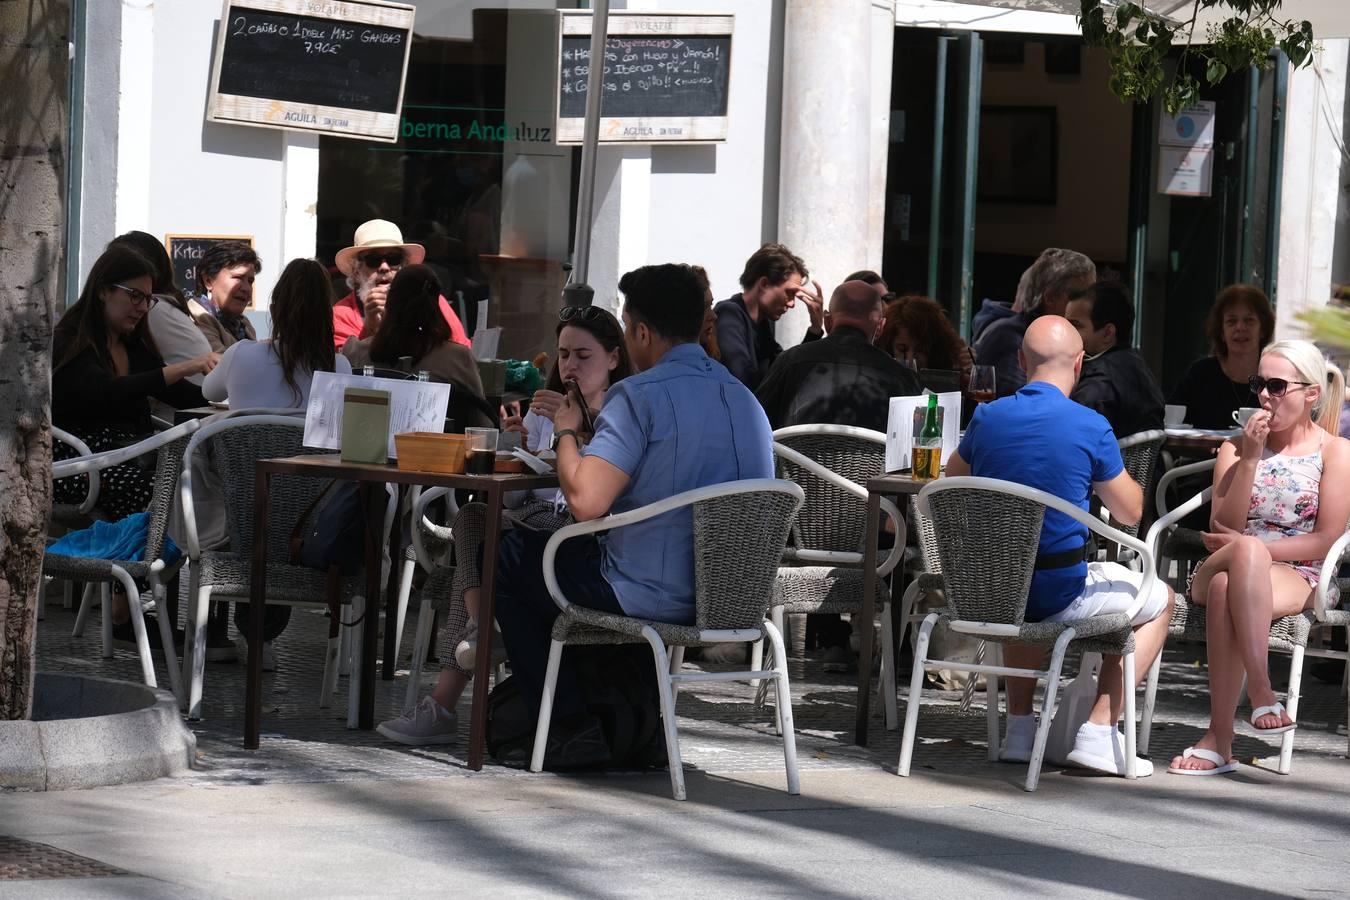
900, 423
413, 406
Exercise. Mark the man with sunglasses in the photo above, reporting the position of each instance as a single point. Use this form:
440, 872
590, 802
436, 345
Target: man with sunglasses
377, 253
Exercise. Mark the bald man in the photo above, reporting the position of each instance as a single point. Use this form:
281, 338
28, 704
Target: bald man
841, 379
1010, 439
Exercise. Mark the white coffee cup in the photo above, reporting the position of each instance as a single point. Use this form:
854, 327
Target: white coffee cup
1240, 416
1173, 414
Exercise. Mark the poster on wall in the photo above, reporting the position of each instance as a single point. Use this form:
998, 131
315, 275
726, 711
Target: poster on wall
1185, 171
334, 67
185, 251
667, 77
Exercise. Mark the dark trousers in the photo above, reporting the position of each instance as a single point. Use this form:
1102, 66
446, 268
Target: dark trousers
275, 620
526, 612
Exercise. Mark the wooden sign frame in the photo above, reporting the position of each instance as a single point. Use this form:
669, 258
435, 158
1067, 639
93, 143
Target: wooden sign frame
645, 129
257, 112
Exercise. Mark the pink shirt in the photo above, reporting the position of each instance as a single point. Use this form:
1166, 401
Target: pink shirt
349, 322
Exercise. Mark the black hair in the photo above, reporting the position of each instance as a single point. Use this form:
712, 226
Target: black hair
1111, 305
84, 324
774, 262
866, 276
413, 324
667, 298
608, 333
225, 255
148, 245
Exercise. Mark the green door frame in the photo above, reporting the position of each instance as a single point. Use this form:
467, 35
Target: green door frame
971, 48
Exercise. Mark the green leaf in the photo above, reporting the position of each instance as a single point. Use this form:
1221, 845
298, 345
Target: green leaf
1215, 72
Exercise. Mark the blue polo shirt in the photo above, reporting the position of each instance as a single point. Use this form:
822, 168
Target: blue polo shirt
1042, 439
685, 423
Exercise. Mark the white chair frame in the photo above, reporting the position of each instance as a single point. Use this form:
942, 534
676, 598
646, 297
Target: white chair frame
668, 664
985, 629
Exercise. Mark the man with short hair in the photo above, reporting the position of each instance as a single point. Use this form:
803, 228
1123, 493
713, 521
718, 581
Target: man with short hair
682, 422
1116, 381
377, 253
1043, 289
772, 282
1040, 438
842, 379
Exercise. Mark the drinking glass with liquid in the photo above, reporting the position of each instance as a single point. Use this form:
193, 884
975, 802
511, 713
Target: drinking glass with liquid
983, 385
480, 455
926, 455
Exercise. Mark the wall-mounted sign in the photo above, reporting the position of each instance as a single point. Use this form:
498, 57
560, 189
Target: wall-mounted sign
1185, 171
185, 251
329, 66
667, 77
1193, 126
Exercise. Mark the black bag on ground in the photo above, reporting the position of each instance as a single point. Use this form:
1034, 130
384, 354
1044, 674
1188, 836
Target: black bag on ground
333, 533
619, 684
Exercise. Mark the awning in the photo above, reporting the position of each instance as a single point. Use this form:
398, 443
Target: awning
1329, 18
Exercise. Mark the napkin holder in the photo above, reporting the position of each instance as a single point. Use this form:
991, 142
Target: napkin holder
365, 426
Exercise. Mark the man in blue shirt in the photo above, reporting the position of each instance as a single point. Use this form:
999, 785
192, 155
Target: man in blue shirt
683, 422
1040, 438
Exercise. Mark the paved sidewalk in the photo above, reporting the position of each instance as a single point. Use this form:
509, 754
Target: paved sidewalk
320, 809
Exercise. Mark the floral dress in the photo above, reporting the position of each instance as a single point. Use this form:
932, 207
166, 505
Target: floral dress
1284, 502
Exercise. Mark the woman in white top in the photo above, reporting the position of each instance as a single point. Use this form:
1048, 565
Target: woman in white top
1272, 526
591, 352
276, 373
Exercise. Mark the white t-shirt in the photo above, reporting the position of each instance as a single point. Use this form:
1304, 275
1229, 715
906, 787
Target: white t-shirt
538, 435
249, 376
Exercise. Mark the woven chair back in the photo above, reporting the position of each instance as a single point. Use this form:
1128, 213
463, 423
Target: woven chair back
832, 519
234, 451
986, 542
738, 546
1141, 461
163, 495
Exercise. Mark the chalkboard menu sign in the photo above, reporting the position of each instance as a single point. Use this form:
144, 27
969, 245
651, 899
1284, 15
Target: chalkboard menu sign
185, 251
331, 66
667, 77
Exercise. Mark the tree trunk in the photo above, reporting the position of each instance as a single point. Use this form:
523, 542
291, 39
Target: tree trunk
34, 100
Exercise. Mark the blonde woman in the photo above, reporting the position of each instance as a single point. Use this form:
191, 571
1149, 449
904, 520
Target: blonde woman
1272, 526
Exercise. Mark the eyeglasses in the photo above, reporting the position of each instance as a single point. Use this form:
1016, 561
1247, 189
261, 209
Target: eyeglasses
372, 259
1275, 387
138, 298
584, 313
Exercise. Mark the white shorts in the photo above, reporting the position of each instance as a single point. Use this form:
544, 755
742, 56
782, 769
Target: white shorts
1112, 588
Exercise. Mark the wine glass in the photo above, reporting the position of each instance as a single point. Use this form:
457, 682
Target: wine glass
983, 386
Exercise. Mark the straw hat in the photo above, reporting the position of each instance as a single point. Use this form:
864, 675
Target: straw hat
378, 234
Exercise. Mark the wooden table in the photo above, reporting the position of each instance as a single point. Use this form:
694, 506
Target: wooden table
369, 476
895, 485
1196, 442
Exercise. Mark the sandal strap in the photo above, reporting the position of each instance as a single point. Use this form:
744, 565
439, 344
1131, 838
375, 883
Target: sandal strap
1275, 709
1206, 755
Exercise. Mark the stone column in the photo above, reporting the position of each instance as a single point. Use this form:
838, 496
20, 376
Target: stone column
823, 187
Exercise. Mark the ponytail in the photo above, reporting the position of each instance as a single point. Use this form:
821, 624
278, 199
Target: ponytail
1328, 411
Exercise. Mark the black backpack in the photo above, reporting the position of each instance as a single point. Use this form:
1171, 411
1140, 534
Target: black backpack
619, 684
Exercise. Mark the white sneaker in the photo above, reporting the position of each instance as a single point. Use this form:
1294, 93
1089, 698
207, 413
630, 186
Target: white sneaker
269, 655
426, 723
1102, 749
1018, 740
729, 654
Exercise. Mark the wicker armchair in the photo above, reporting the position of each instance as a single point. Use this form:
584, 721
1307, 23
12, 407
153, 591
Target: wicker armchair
1180, 544
988, 532
151, 568
236, 443
823, 571
1288, 634
1140, 452
740, 529
428, 550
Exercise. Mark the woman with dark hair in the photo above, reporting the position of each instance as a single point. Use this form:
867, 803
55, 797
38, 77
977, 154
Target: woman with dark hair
276, 373
105, 369
1240, 324
414, 336
225, 276
172, 321
917, 330
707, 338
591, 352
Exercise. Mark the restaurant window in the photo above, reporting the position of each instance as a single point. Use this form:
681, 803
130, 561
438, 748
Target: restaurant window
475, 175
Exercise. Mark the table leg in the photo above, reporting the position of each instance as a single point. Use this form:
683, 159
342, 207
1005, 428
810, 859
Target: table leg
372, 494
391, 590
868, 615
487, 608
256, 605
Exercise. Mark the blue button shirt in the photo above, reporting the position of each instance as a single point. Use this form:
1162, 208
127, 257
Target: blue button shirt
685, 423
1042, 439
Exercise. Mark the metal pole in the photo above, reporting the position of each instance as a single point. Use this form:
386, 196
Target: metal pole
1246, 258
578, 292
939, 148
1272, 266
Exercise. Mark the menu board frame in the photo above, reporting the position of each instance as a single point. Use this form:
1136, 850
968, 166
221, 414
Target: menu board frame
290, 115
646, 129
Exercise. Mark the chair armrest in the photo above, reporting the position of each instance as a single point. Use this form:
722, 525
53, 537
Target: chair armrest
651, 511
1171, 475
897, 552
1321, 600
81, 464
1165, 524
91, 496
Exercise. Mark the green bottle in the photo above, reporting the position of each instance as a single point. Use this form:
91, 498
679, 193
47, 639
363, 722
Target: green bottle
926, 458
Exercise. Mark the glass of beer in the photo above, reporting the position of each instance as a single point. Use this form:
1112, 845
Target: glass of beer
481, 453
983, 386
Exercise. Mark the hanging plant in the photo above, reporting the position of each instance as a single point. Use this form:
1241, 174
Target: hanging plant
1139, 40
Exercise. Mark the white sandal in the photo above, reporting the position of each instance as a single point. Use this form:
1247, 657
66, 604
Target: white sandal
1221, 766
1275, 709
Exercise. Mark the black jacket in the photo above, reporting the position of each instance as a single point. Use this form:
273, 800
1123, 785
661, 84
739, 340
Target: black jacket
1119, 385
840, 379
998, 345
86, 395
748, 347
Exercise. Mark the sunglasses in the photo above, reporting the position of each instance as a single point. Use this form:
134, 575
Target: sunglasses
372, 260
583, 313
138, 298
1275, 387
